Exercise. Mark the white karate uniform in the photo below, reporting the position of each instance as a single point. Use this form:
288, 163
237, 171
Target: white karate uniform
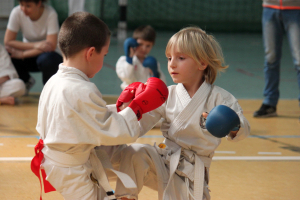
185, 161
14, 87
73, 119
134, 72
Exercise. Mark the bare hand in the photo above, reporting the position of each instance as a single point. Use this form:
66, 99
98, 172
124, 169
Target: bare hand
125, 105
43, 46
205, 114
14, 53
233, 133
132, 51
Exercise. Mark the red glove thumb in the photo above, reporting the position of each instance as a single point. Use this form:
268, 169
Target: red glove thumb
127, 94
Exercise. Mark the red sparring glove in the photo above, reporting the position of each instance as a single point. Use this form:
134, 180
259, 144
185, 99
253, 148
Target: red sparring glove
127, 94
149, 97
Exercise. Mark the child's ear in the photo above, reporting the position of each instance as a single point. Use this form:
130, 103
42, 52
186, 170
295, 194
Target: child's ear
202, 66
89, 53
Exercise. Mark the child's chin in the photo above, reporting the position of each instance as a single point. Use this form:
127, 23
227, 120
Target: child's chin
175, 81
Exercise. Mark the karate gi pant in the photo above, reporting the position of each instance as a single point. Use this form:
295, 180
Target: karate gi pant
146, 167
12, 87
73, 183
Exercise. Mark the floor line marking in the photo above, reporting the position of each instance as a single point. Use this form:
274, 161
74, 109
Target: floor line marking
261, 158
269, 153
30, 145
15, 159
274, 136
12, 136
1, 144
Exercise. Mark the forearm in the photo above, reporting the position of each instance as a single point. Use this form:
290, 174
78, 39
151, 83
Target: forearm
20, 45
31, 53
125, 71
4, 79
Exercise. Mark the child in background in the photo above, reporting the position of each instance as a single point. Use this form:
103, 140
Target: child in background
178, 168
136, 65
10, 84
73, 118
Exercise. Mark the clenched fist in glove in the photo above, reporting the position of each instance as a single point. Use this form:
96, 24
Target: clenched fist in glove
222, 120
145, 97
127, 94
129, 43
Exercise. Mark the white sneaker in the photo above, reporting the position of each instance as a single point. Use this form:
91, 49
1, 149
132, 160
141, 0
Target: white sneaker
29, 85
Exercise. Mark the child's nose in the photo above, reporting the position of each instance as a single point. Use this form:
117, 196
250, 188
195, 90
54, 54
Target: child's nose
172, 63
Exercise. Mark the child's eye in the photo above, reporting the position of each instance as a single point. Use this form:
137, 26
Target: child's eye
169, 58
181, 58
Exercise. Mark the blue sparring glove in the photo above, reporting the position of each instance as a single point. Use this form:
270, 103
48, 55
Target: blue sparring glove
151, 63
129, 43
221, 120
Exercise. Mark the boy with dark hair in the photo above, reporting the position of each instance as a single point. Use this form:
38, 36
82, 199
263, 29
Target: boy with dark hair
145, 33
136, 65
73, 118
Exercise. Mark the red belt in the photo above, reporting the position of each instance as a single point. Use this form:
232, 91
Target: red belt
36, 167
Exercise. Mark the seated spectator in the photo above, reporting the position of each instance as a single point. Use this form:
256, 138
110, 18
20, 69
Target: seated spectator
10, 85
38, 51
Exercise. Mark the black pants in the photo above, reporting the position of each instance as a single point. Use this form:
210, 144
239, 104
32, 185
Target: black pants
47, 63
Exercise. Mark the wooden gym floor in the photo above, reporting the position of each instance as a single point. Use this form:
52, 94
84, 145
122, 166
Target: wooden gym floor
264, 166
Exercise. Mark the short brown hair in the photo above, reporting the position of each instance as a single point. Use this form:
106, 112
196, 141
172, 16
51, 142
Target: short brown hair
201, 47
82, 30
145, 32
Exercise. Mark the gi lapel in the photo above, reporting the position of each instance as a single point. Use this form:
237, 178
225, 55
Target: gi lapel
190, 105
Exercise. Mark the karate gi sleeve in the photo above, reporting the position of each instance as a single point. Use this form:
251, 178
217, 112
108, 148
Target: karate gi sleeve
223, 97
149, 119
125, 71
245, 126
6, 66
85, 118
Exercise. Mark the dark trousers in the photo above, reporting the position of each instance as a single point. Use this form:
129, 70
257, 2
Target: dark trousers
47, 63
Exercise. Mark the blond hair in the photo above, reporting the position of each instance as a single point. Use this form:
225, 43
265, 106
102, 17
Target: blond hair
201, 47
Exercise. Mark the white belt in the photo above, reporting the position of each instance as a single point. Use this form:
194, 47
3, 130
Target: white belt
99, 165
199, 169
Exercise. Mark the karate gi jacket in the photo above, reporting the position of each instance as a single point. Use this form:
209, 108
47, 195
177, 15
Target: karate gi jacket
189, 147
73, 119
